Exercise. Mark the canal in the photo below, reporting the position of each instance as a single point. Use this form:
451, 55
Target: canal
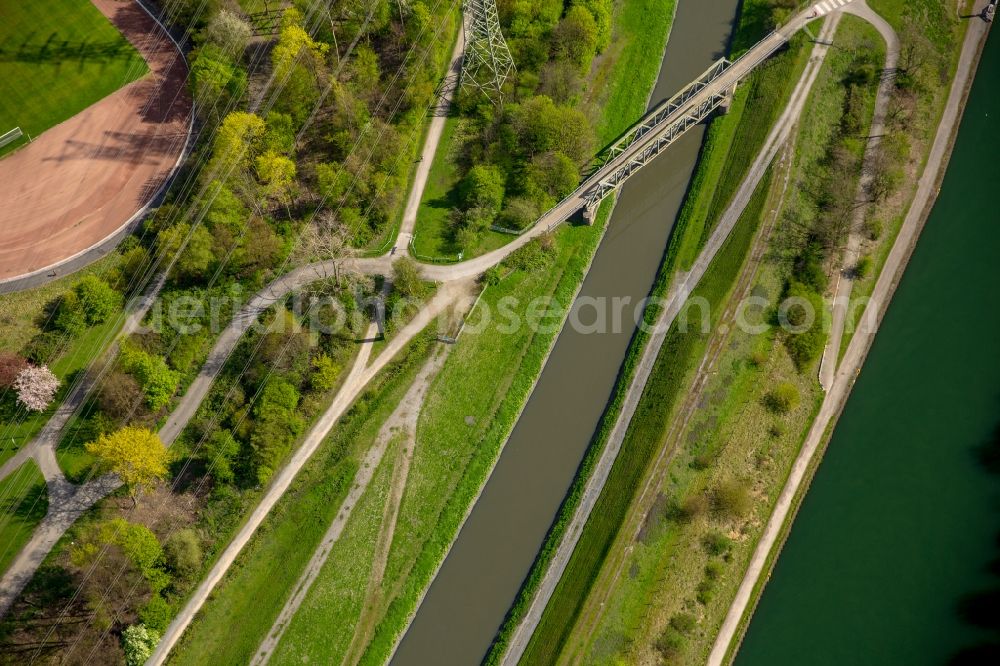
894, 557
496, 547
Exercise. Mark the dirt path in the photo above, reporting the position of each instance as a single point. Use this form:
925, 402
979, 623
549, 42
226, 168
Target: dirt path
845, 277
679, 293
78, 186
858, 348
597, 602
402, 421
361, 373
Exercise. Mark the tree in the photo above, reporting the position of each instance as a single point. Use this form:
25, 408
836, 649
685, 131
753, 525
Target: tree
556, 173
157, 380
197, 255
575, 38
120, 396
325, 373
482, 187
97, 299
406, 277
601, 11
277, 174
237, 141
138, 643
36, 386
11, 366
229, 32
67, 314
220, 451
135, 454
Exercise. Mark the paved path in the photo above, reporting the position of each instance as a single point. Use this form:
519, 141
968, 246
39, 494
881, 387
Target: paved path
685, 284
858, 348
845, 277
403, 420
76, 188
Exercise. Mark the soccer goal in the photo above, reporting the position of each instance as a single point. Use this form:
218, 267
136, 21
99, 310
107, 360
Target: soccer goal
11, 136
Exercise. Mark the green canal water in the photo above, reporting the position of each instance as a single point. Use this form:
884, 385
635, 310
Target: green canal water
895, 555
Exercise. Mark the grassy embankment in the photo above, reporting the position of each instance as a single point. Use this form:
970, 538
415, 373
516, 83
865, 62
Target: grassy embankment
504, 368
728, 456
60, 56
713, 185
23, 503
944, 33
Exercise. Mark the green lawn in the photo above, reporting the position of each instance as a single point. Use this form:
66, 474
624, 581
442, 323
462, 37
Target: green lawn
23, 503
57, 57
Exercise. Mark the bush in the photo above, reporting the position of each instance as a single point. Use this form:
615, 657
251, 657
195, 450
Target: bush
325, 373
683, 622
183, 552
863, 268
713, 570
716, 543
138, 643
782, 399
44, 347
669, 643
731, 499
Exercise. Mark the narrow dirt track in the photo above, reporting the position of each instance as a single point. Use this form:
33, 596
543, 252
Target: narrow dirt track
78, 184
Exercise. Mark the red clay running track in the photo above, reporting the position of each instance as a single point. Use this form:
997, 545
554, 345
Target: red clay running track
81, 182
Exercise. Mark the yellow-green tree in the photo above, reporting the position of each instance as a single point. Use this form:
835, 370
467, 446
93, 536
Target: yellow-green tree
135, 454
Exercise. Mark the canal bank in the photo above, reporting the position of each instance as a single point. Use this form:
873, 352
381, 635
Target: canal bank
495, 549
899, 526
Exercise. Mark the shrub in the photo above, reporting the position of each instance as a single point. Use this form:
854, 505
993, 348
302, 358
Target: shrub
219, 453
783, 398
183, 552
482, 187
731, 499
135, 454
669, 643
692, 507
713, 570
138, 643
716, 543
43, 347
492, 276
67, 314
863, 268
705, 592
683, 622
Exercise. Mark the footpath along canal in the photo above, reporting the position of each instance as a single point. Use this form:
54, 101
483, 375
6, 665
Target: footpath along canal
482, 574
894, 557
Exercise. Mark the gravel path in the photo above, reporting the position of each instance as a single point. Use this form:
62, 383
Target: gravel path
845, 278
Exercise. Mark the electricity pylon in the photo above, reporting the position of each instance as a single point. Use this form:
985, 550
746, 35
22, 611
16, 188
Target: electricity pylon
487, 62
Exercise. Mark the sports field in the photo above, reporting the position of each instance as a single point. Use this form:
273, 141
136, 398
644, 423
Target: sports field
57, 57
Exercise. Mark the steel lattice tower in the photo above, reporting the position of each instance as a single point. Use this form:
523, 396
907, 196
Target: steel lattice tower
487, 62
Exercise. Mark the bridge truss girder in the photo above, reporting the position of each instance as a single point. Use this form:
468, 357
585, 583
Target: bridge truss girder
666, 130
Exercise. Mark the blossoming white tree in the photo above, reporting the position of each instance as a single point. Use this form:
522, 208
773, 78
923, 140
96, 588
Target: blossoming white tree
36, 386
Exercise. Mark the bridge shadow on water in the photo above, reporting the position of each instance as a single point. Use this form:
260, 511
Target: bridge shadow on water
981, 609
